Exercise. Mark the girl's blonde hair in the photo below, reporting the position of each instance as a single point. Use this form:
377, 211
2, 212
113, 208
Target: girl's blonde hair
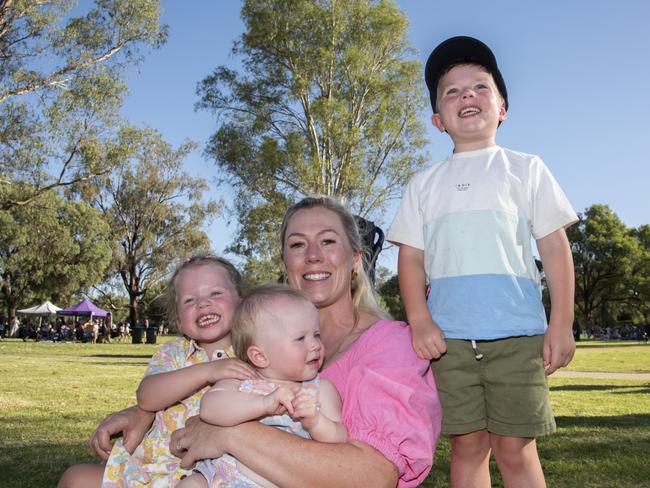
252, 311
363, 297
171, 298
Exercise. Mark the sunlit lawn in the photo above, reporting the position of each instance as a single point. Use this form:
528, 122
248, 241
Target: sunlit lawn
53, 395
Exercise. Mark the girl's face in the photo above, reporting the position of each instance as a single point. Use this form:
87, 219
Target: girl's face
206, 301
318, 256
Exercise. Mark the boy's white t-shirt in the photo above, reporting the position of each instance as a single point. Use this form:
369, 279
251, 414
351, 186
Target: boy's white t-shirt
473, 214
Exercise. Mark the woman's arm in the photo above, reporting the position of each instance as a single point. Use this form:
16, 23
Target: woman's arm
132, 423
292, 461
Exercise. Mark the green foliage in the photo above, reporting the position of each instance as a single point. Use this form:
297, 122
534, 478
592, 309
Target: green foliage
155, 211
604, 254
389, 292
61, 86
328, 103
50, 250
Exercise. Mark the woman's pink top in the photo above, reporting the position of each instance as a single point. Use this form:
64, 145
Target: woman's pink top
390, 401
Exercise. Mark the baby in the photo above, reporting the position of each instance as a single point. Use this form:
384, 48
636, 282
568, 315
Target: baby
276, 330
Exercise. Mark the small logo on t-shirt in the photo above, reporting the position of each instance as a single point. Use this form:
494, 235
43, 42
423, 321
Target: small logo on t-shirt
462, 186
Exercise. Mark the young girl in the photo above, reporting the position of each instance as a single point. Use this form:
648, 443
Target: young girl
202, 296
276, 329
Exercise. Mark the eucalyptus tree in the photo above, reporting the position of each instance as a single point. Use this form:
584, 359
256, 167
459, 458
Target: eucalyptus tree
604, 255
328, 101
52, 249
154, 208
62, 69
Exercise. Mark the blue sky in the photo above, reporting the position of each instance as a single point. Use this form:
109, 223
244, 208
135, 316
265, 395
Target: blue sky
577, 74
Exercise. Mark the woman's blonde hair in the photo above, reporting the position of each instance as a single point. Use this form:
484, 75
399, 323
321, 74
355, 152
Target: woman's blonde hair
171, 298
363, 297
256, 304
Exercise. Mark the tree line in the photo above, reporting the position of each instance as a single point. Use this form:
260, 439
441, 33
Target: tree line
329, 100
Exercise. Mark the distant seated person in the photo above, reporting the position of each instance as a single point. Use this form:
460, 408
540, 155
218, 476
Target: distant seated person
79, 334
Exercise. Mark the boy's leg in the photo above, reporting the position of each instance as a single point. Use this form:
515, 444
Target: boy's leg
518, 461
82, 476
470, 456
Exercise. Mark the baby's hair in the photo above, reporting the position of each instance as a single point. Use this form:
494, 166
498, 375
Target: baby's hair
196, 261
259, 300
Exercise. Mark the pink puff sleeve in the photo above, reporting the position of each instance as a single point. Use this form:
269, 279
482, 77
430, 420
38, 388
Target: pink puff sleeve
390, 401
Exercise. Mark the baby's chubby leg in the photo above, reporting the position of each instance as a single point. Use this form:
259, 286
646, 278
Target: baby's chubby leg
195, 480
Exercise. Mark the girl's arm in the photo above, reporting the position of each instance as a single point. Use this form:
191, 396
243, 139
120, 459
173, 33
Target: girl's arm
321, 416
159, 391
225, 405
291, 461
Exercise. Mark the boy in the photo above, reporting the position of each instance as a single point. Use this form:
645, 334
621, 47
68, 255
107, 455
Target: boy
464, 226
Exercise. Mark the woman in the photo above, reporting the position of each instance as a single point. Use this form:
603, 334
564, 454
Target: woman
390, 404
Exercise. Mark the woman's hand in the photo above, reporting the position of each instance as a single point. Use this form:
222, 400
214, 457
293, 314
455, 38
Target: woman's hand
198, 440
224, 369
132, 423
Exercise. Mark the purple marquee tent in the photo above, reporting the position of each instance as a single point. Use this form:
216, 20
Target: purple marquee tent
83, 308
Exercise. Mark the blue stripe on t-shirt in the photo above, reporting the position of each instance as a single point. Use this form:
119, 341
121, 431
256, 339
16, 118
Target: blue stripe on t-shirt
487, 306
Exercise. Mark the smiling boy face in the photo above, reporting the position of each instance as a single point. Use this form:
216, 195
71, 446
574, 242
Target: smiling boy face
470, 107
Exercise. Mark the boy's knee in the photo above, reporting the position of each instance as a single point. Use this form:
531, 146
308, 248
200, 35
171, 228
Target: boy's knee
514, 452
472, 445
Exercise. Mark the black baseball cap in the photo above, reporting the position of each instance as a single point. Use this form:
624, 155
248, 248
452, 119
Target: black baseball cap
461, 49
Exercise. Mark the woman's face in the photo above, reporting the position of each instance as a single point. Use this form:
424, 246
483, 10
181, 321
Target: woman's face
318, 256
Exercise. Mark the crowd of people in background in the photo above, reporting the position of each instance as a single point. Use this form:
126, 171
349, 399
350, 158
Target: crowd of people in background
626, 332
72, 329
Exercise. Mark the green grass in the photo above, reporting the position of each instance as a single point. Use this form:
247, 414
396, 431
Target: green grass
53, 396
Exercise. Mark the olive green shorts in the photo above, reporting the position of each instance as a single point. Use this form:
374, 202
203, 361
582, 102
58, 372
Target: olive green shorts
505, 392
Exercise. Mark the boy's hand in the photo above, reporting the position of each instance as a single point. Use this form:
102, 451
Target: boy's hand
559, 347
306, 409
224, 369
279, 401
428, 340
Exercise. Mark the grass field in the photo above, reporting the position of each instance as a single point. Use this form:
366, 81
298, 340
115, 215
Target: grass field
53, 396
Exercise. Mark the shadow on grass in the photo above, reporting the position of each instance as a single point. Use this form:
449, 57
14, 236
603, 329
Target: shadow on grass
606, 345
632, 388
605, 422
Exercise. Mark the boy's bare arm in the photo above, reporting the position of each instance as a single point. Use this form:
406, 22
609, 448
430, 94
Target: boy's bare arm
559, 344
428, 339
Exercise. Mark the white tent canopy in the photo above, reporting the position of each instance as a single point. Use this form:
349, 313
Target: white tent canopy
45, 308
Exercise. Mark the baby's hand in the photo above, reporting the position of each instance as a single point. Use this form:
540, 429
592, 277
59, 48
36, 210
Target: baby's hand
428, 340
306, 409
223, 369
279, 401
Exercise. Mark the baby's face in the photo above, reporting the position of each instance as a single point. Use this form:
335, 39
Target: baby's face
470, 106
291, 342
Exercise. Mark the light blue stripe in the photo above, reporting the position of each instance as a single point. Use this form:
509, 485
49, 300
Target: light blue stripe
479, 242
487, 307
